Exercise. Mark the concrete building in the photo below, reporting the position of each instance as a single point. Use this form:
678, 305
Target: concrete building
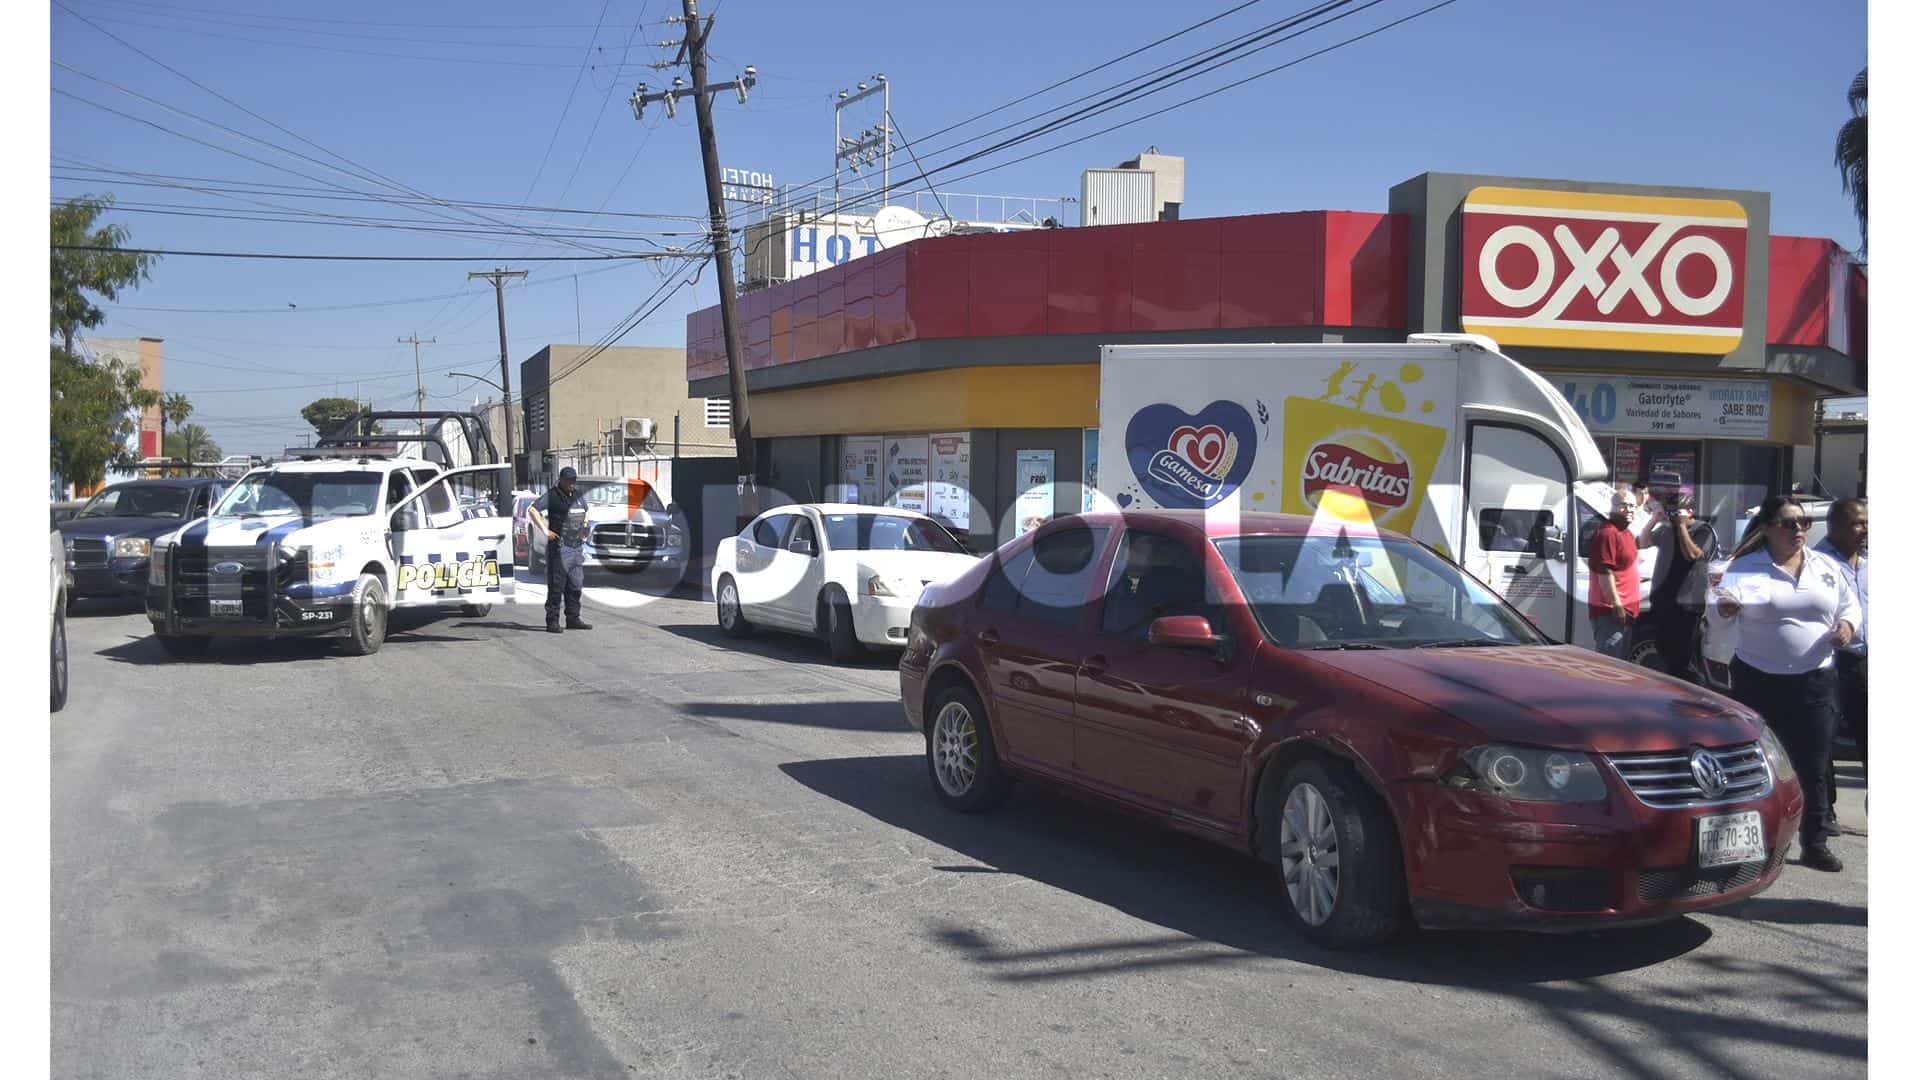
145, 354
577, 402
1694, 354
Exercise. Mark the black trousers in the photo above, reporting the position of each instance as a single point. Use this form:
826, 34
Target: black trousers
1673, 632
1801, 710
562, 584
1853, 700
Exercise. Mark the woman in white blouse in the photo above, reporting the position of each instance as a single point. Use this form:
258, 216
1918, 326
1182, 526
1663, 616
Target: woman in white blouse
1794, 607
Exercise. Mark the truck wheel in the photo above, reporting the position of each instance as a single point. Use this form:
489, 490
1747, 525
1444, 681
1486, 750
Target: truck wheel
59, 677
184, 646
836, 618
368, 628
1339, 859
476, 611
726, 602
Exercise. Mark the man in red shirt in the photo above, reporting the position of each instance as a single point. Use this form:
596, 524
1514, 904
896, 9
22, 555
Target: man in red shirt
1613, 580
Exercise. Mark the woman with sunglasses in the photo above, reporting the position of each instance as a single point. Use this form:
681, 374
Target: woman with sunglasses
1794, 607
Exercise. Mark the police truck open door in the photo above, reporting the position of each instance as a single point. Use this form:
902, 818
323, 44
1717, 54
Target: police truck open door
444, 557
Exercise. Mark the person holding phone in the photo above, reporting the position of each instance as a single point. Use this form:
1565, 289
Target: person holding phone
1794, 607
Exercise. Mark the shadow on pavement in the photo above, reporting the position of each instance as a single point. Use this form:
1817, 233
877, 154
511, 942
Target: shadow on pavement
787, 648
836, 715
1799, 912
1206, 893
1221, 909
146, 651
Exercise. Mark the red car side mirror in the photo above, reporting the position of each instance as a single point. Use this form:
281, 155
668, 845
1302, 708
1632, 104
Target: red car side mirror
1183, 632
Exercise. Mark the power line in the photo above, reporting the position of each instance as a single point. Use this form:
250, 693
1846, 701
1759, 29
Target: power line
313, 47
1114, 104
366, 172
351, 22
291, 310
298, 191
359, 258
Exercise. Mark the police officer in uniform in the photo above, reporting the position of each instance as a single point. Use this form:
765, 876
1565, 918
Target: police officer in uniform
562, 514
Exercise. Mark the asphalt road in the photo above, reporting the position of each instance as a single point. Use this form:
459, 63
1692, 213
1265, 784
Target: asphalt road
643, 850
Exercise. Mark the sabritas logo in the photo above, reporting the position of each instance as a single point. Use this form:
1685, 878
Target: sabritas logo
1361, 463
1355, 465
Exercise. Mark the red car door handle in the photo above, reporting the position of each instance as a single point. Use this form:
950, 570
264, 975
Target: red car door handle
1094, 665
988, 638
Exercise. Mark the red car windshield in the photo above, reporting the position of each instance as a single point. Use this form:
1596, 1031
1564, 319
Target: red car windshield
1366, 592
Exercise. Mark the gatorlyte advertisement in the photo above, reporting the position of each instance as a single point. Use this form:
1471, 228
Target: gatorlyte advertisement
1338, 435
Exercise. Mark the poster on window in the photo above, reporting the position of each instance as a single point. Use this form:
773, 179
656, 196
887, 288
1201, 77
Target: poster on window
1672, 474
1033, 478
906, 472
1090, 458
951, 479
860, 468
1626, 461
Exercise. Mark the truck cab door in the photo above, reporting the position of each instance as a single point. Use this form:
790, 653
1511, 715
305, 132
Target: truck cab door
1518, 498
442, 558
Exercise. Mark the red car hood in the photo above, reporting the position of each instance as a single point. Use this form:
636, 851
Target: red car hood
1558, 696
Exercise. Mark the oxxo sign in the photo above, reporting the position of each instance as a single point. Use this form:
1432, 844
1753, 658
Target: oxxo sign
1574, 270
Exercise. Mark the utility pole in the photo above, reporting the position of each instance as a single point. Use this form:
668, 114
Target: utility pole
694, 51
419, 386
874, 142
499, 278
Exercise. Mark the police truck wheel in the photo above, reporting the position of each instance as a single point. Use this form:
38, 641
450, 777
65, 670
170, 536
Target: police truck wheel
476, 611
59, 678
837, 621
184, 646
726, 603
368, 626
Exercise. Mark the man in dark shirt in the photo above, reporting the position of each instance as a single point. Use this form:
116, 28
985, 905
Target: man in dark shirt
1613, 580
1676, 608
562, 514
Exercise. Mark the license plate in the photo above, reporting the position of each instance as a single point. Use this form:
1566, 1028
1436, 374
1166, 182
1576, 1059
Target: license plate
224, 609
1727, 839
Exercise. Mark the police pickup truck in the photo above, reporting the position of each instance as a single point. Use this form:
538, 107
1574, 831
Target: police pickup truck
332, 541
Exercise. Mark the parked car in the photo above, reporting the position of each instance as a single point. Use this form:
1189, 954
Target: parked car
57, 579
1352, 707
628, 528
522, 544
849, 574
110, 539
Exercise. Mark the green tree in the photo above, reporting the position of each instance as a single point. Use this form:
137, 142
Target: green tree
193, 443
1850, 153
328, 413
91, 402
90, 415
174, 409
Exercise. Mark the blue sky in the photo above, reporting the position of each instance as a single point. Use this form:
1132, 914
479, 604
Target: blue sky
468, 96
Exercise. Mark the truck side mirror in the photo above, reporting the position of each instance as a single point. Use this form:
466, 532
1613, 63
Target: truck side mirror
1553, 542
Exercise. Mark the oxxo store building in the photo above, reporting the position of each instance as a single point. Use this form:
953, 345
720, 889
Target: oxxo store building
960, 375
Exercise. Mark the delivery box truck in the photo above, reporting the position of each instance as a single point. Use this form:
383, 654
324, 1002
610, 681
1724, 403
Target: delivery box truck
1440, 437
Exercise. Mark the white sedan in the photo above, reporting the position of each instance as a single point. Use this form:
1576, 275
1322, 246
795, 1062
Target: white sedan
850, 574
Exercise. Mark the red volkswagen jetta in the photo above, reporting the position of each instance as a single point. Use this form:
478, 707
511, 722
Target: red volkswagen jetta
1350, 706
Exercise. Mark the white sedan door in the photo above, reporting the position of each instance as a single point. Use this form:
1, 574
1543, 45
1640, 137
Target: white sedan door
800, 567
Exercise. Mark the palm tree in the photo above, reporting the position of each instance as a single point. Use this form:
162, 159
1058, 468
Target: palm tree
174, 409
1850, 153
193, 443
